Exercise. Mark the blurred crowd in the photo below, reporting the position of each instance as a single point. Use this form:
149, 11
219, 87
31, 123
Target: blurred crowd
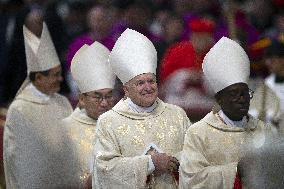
182, 30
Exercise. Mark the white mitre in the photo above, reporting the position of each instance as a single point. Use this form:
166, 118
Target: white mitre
225, 64
90, 68
40, 53
133, 54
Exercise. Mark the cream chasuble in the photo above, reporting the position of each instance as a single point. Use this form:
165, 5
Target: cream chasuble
122, 138
212, 151
32, 141
81, 132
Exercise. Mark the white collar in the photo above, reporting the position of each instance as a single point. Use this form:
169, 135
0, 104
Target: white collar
270, 80
140, 109
38, 93
232, 123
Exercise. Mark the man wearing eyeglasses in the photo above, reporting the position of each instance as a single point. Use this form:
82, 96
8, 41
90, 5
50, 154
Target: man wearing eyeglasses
214, 146
140, 139
95, 81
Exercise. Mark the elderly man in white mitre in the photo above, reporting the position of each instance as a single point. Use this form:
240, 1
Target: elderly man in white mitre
138, 142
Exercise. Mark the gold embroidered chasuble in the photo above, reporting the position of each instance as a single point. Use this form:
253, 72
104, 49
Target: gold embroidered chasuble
122, 137
80, 130
32, 141
212, 150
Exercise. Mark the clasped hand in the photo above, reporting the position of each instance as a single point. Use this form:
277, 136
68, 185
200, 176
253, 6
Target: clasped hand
164, 163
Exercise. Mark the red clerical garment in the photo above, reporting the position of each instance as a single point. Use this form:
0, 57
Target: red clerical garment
238, 182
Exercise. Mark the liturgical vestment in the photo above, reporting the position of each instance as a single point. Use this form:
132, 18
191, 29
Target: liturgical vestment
80, 130
123, 137
212, 150
32, 141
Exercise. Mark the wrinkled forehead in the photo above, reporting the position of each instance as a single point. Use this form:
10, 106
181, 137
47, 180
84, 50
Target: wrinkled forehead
143, 77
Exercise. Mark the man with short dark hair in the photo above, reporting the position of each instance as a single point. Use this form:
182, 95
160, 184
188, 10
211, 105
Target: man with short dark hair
140, 139
32, 140
213, 146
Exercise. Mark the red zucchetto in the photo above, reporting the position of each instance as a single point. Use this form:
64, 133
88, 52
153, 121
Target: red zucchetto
178, 56
201, 25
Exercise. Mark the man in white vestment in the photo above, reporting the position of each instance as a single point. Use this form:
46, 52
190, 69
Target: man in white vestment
214, 145
138, 142
95, 80
31, 134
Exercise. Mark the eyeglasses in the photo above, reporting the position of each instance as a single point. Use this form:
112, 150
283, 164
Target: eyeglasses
99, 98
236, 95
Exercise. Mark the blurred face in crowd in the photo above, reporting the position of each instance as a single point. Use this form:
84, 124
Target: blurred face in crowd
173, 29
254, 7
235, 100
96, 102
142, 89
50, 83
97, 19
201, 41
275, 65
137, 16
34, 22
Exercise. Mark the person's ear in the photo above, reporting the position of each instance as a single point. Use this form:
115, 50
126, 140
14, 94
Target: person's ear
39, 78
218, 99
126, 90
81, 102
